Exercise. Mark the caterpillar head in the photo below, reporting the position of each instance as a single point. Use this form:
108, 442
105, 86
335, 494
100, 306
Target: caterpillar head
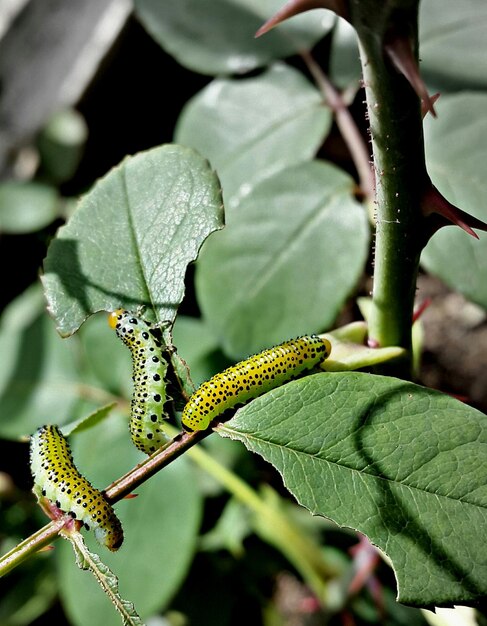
115, 317
132, 330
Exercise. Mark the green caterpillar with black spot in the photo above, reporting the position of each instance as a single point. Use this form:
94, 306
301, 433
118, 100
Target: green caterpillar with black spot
149, 369
57, 479
252, 378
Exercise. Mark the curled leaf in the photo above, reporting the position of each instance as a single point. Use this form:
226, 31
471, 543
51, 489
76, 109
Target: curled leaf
350, 357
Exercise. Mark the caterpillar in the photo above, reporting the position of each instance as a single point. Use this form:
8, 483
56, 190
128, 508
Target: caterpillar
57, 479
149, 369
252, 378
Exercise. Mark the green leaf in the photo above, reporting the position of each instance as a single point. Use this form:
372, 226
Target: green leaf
452, 44
132, 237
251, 129
217, 36
107, 361
456, 151
61, 144
89, 421
287, 260
345, 69
38, 373
160, 528
355, 332
347, 355
27, 207
32, 593
105, 578
405, 465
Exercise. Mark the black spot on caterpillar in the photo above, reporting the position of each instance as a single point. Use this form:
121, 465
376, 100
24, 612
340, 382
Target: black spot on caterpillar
252, 378
57, 479
149, 370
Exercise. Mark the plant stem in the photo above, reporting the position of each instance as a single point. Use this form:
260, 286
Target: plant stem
150, 466
345, 122
397, 141
29, 546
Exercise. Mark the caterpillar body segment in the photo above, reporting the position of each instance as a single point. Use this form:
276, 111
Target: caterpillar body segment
57, 479
252, 378
149, 369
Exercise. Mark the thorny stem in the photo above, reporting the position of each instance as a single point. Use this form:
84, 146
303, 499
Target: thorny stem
345, 122
397, 140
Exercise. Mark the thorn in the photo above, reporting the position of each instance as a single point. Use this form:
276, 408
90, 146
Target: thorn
399, 50
421, 309
130, 496
460, 398
424, 107
456, 396
294, 7
46, 548
434, 202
